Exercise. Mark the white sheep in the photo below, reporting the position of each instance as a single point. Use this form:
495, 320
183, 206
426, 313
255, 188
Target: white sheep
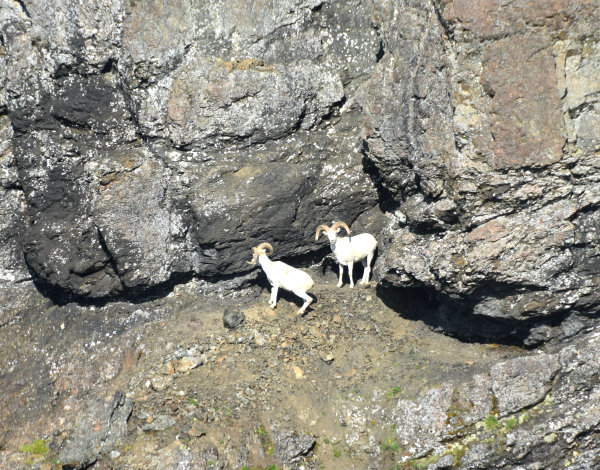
347, 250
282, 275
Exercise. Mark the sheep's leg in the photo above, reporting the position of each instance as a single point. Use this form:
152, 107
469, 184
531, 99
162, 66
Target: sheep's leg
367, 270
273, 300
350, 266
307, 300
365, 273
339, 284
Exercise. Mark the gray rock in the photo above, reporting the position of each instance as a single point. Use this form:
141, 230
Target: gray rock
527, 413
159, 423
290, 446
523, 382
233, 318
142, 147
100, 428
419, 425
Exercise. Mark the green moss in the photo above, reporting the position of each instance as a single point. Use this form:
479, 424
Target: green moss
524, 417
492, 423
38, 447
457, 452
510, 423
394, 392
265, 440
422, 463
389, 444
193, 401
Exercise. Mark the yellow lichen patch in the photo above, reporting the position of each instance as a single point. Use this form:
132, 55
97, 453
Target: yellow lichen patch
244, 64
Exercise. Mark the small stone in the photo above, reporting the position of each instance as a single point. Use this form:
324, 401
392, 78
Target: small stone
160, 423
259, 339
180, 352
299, 372
269, 311
115, 454
315, 332
160, 383
168, 369
187, 363
197, 429
233, 318
327, 358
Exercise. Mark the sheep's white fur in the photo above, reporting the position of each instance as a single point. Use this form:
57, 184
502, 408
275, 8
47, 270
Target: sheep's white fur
349, 249
282, 275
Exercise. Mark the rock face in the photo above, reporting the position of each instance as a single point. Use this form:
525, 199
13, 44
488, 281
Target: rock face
484, 140
144, 143
148, 143
155, 141
525, 413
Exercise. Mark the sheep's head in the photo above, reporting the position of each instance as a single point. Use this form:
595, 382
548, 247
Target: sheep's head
332, 232
262, 249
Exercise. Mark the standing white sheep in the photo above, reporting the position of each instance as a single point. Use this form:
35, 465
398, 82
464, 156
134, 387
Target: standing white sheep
347, 250
282, 275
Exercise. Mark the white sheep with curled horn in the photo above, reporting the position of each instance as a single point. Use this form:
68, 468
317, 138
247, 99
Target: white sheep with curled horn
349, 249
282, 275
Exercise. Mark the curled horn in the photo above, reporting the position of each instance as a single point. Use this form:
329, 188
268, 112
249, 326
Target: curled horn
320, 229
254, 256
341, 224
265, 246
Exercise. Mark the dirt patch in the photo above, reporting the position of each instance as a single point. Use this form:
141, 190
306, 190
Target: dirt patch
224, 398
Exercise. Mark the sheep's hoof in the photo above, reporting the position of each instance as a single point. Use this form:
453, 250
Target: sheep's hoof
339, 285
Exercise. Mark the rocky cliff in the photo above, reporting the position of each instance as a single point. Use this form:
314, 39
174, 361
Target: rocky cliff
149, 144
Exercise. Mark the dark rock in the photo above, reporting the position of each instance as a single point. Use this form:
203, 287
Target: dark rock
233, 318
167, 154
